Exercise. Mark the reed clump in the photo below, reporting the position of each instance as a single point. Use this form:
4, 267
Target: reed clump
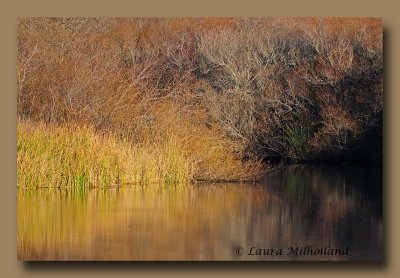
79, 156
76, 156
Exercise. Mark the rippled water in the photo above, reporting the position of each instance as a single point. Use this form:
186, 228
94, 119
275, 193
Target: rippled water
297, 206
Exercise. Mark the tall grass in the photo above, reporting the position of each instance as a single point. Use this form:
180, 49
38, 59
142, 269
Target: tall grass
79, 156
72, 156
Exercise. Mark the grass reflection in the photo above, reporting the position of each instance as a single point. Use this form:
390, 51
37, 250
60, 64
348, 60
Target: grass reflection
297, 206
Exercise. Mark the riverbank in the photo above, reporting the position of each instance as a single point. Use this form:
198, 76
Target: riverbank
177, 100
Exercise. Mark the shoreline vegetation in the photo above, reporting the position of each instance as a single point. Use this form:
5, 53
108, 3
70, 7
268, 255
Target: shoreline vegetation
78, 156
110, 101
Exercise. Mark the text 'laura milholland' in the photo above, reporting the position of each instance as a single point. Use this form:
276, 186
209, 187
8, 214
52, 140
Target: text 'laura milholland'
299, 251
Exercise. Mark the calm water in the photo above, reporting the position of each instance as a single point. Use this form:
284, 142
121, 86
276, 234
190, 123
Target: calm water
296, 206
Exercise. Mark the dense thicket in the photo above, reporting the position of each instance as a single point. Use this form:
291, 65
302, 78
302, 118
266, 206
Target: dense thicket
300, 88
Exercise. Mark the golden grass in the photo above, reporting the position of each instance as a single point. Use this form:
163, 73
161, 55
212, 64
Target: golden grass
72, 156
78, 156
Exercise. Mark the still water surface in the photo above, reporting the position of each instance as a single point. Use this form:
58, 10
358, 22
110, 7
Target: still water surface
297, 206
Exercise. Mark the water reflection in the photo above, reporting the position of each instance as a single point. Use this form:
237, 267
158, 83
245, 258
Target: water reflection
296, 206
